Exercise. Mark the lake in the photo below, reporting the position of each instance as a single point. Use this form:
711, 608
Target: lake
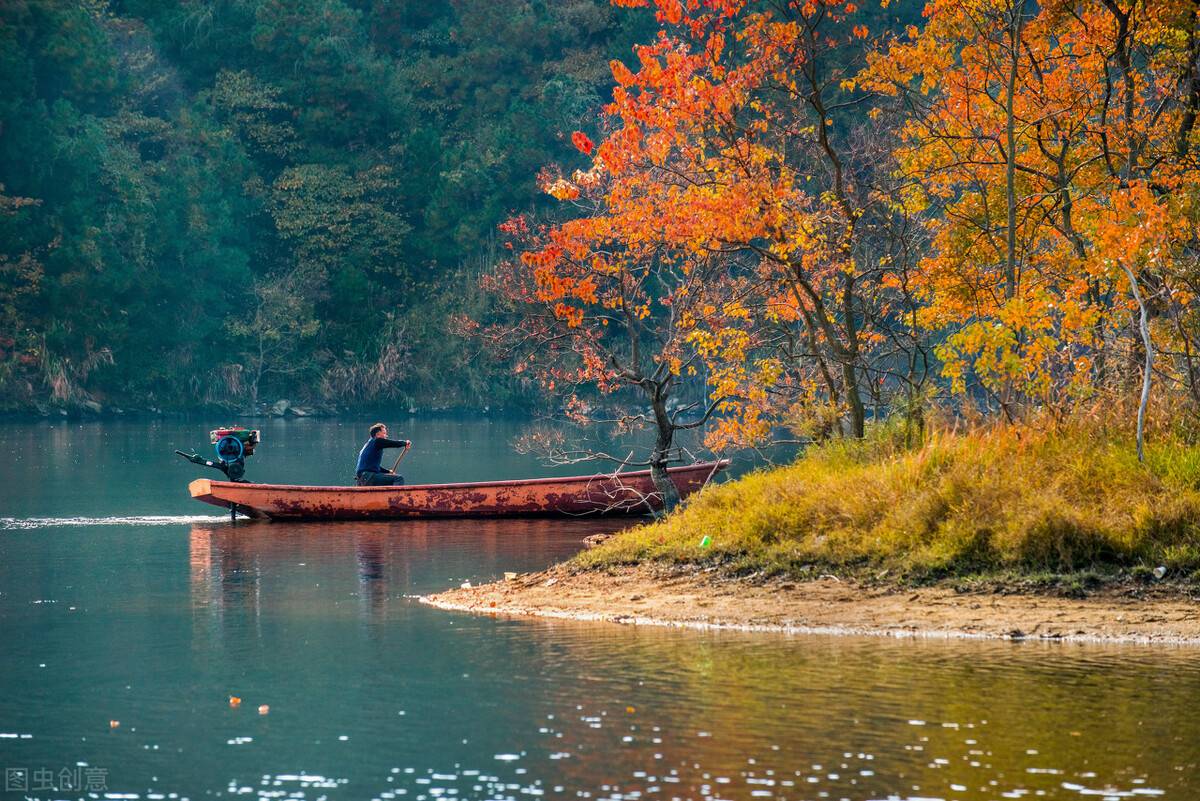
129, 615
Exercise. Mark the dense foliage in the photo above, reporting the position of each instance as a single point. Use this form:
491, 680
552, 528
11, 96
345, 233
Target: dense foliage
754, 213
238, 200
813, 214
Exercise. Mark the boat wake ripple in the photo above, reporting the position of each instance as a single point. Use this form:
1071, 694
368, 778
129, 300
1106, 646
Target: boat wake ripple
22, 523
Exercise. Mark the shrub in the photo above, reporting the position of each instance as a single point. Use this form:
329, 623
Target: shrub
994, 499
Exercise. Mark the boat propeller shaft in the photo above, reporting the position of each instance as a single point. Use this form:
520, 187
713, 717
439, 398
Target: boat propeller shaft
233, 470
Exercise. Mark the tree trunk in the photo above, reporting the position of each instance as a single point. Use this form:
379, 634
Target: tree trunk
849, 372
258, 374
1010, 155
659, 457
858, 414
1148, 367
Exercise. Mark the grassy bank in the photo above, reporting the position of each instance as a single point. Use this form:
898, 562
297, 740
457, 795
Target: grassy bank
998, 503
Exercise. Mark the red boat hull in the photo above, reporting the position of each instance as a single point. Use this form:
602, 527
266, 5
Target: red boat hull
621, 494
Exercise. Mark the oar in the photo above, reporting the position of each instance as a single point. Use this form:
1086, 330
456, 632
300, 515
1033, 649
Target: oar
401, 456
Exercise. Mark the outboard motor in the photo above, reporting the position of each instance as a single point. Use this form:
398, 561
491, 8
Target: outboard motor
232, 445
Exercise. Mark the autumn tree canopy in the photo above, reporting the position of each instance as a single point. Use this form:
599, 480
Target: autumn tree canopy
1051, 149
808, 207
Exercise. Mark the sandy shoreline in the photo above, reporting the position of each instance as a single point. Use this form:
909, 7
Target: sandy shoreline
650, 596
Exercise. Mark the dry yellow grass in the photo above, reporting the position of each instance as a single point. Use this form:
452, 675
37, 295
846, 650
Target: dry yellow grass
1000, 500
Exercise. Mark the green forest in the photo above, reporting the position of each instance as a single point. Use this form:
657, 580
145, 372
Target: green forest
225, 203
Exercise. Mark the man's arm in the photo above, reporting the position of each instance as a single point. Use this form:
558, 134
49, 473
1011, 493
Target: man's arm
392, 443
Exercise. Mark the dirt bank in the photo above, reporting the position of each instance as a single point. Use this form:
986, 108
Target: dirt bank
686, 598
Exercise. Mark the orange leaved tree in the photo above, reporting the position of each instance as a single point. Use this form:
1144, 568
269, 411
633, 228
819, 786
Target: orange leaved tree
740, 163
584, 304
1051, 150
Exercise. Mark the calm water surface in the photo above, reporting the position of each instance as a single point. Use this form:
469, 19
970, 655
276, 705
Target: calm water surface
123, 600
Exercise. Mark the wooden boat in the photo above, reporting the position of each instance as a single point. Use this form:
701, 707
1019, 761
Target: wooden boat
610, 494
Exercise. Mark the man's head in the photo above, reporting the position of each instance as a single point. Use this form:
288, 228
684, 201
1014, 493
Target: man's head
378, 430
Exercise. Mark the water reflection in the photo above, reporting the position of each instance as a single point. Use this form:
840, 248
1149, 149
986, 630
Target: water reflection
156, 623
372, 586
229, 562
737, 716
517, 708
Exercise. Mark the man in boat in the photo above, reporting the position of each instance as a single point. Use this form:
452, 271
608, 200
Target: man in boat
370, 471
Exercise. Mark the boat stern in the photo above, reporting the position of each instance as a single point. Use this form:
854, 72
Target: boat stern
227, 495
201, 490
